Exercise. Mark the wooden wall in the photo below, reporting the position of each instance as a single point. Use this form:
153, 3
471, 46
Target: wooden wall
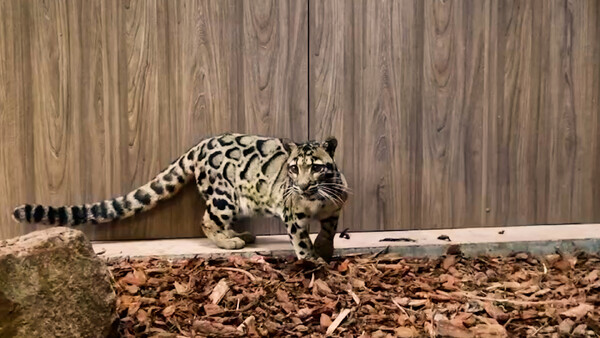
460, 113
449, 113
96, 97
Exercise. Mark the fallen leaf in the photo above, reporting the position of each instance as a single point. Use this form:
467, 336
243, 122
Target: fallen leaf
495, 312
325, 321
322, 287
405, 332
305, 312
133, 289
169, 311
579, 330
578, 312
591, 277
212, 309
142, 316
181, 289
566, 326
417, 302
445, 328
248, 326
208, 327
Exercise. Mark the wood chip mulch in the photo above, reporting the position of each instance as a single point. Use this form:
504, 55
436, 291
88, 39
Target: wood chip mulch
361, 296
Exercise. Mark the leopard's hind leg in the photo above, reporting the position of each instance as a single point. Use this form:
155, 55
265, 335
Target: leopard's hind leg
221, 212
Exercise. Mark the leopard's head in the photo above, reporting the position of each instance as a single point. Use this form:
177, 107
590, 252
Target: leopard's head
313, 173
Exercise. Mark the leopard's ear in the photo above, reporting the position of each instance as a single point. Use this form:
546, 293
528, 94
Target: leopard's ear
329, 145
288, 144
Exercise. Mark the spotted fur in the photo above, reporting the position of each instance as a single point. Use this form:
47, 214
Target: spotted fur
238, 176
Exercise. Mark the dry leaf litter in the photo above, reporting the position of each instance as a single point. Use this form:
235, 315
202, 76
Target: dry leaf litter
385, 295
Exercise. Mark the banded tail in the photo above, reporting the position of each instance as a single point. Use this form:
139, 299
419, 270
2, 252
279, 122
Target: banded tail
163, 186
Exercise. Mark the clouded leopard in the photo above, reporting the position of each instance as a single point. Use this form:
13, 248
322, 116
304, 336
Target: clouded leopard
238, 176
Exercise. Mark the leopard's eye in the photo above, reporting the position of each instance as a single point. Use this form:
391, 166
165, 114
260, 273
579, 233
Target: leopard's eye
317, 168
293, 169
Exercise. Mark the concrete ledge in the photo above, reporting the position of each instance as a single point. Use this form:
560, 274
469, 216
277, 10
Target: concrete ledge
541, 239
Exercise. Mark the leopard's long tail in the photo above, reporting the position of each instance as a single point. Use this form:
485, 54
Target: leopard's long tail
163, 186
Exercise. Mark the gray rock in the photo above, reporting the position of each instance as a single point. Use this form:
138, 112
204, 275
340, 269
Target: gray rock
53, 285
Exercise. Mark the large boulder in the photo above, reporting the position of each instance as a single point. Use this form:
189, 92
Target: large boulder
53, 285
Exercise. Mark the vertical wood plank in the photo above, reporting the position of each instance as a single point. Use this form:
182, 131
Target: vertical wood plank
275, 61
16, 169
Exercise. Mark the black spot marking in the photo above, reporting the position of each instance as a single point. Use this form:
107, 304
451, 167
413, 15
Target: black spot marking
214, 218
215, 160
38, 214
259, 146
190, 155
16, 214
116, 205
265, 166
157, 187
63, 217
51, 215
180, 179
210, 145
181, 164
221, 204
248, 151
211, 179
142, 196
300, 215
233, 153
138, 210
223, 142
28, 212
170, 188
75, 212
302, 253
225, 171
168, 177
293, 228
126, 203
303, 245
239, 140
245, 170
225, 217
304, 234
95, 210
221, 192
209, 191
201, 177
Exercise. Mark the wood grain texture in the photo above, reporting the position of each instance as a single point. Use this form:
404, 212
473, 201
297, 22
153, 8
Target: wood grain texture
460, 113
449, 113
275, 62
99, 96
